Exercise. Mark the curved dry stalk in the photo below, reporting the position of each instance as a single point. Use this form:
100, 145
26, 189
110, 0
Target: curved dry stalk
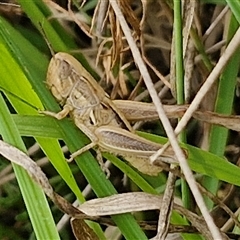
20, 158
139, 201
92, 209
34, 171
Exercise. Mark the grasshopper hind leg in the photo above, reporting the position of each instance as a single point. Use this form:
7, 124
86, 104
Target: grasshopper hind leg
99, 157
59, 115
81, 150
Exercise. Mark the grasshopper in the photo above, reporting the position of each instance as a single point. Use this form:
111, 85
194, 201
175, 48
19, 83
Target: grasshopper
97, 116
102, 119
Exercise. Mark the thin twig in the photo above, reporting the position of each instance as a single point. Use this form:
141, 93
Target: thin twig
213, 76
167, 126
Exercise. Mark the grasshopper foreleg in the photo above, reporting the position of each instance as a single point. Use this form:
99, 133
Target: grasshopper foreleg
60, 115
81, 151
99, 156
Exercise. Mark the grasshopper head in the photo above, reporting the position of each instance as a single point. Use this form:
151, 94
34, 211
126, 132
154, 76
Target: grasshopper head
59, 77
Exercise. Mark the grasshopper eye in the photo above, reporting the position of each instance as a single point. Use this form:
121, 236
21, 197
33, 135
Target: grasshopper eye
65, 69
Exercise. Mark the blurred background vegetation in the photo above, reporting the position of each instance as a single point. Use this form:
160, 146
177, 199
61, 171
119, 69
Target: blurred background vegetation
90, 31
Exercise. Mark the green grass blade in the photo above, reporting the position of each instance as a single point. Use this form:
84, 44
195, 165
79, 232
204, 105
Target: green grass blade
200, 161
235, 7
205, 162
34, 198
24, 91
72, 137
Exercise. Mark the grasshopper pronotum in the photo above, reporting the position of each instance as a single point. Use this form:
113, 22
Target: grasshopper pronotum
97, 116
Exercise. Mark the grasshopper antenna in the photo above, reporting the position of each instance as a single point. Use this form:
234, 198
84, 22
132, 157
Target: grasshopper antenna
46, 40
